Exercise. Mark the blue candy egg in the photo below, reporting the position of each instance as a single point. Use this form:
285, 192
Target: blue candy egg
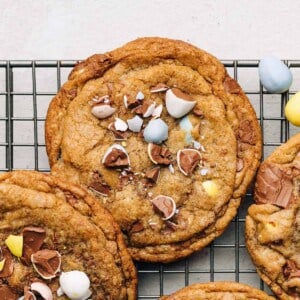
274, 75
156, 131
186, 125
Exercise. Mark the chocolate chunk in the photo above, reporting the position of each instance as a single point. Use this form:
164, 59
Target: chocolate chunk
273, 185
116, 158
231, 86
46, 263
8, 264
126, 176
98, 184
119, 135
7, 293
165, 206
187, 160
246, 133
159, 155
239, 165
137, 227
33, 238
152, 175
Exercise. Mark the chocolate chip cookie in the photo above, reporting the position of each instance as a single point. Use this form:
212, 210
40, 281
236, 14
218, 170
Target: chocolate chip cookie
272, 224
165, 139
218, 291
57, 242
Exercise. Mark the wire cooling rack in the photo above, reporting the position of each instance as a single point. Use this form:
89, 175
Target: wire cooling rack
27, 87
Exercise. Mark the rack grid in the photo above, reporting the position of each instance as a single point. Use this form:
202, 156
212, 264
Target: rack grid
26, 89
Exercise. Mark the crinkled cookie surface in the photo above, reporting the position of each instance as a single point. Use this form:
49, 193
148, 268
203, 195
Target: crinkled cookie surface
272, 224
172, 193
218, 291
56, 222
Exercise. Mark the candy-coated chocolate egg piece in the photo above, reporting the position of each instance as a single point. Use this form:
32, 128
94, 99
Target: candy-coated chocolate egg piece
292, 109
274, 75
156, 131
178, 103
15, 244
186, 125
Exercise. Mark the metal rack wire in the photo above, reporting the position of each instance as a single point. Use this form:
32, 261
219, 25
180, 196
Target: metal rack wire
26, 88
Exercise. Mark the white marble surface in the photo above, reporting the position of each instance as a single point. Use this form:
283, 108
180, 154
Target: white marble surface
76, 29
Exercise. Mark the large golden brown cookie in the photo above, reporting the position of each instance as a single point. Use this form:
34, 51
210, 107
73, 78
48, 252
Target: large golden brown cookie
218, 291
272, 224
48, 226
170, 198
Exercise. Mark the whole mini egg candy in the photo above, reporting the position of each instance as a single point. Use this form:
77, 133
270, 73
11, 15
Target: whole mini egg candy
274, 75
156, 131
292, 109
75, 284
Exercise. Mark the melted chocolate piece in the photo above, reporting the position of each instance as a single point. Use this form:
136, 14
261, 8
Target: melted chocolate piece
7, 293
161, 155
188, 160
245, 132
126, 176
274, 185
8, 264
47, 262
33, 238
164, 206
99, 185
152, 175
116, 158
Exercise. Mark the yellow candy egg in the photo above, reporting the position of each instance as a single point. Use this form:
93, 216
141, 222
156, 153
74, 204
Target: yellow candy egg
292, 109
210, 187
15, 244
